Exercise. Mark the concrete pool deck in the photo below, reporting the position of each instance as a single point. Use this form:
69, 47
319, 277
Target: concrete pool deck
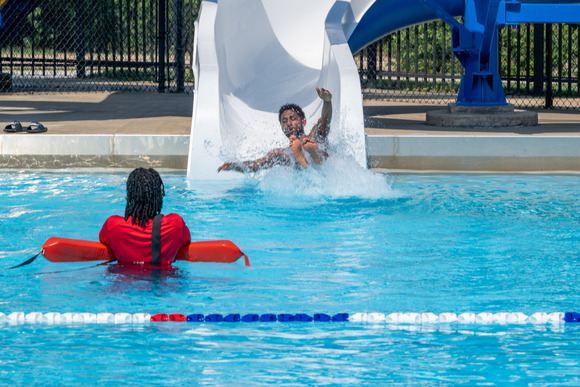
126, 130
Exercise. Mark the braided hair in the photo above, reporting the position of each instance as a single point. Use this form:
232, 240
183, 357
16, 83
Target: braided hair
145, 193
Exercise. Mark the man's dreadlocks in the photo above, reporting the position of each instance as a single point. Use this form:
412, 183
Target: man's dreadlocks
145, 193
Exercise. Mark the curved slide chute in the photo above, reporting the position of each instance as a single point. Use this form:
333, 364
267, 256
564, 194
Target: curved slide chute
251, 57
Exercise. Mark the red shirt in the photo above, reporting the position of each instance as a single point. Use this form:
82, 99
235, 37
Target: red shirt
131, 243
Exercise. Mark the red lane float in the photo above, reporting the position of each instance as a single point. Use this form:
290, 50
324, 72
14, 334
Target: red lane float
57, 249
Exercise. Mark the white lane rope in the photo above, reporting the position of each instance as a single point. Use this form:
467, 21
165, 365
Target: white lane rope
19, 318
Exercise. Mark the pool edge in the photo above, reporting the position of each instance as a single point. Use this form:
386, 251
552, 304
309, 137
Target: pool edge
386, 153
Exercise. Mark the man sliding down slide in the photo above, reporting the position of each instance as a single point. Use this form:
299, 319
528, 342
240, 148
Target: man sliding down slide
292, 121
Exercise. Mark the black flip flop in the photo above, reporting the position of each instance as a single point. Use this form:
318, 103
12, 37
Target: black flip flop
36, 127
14, 127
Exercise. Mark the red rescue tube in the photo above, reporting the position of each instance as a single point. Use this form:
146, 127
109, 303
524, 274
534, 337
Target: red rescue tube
211, 251
57, 249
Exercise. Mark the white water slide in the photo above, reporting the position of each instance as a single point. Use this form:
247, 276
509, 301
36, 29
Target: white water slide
253, 56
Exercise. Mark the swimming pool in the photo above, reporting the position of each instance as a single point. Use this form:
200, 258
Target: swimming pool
324, 241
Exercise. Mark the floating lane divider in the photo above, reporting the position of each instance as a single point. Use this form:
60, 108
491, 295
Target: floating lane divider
17, 318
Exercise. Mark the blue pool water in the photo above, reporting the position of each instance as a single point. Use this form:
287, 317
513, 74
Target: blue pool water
324, 241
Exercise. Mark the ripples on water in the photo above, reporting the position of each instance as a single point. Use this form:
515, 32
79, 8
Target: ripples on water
331, 239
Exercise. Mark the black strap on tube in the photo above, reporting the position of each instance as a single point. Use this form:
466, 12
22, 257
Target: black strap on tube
156, 240
27, 262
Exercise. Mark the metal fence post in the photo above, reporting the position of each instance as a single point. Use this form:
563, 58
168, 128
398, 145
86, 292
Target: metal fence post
80, 37
372, 64
538, 59
549, 89
161, 36
179, 47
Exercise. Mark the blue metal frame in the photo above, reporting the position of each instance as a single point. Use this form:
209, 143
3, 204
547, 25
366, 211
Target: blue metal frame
475, 45
385, 16
514, 13
474, 42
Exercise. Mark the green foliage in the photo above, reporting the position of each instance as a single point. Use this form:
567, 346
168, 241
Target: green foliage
408, 56
107, 39
422, 48
112, 28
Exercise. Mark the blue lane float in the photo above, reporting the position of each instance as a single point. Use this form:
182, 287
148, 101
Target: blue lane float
572, 317
251, 318
195, 318
232, 317
303, 317
554, 318
268, 317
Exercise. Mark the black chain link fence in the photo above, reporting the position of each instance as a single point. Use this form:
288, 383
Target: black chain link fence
146, 45
538, 63
96, 45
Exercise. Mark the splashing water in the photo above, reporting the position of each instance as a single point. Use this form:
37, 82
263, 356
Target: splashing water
339, 177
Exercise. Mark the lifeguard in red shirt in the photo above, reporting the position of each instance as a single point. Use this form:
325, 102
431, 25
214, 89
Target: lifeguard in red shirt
130, 237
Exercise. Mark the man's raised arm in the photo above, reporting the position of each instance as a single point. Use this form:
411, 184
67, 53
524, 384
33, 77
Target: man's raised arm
322, 127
